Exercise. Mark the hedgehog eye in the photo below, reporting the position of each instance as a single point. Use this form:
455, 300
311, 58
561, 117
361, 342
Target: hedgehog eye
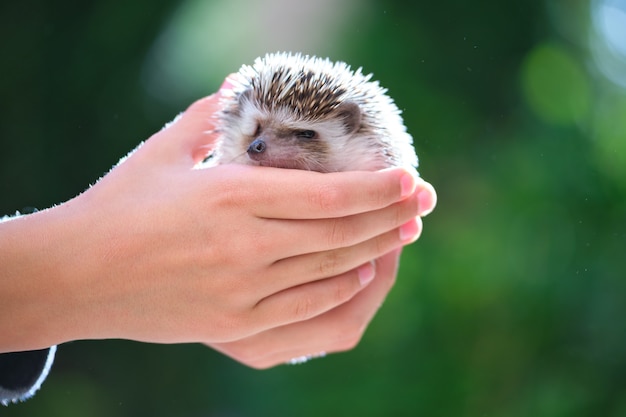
306, 134
257, 131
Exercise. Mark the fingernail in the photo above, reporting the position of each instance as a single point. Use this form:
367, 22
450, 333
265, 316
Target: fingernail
366, 273
409, 231
426, 201
407, 185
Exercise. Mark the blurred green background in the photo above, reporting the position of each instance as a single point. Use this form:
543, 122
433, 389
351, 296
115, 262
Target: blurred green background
513, 302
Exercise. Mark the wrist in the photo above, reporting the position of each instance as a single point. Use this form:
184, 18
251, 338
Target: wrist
39, 271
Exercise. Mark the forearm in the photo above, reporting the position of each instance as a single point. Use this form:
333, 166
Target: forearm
34, 259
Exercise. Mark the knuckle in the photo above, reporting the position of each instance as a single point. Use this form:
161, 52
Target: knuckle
348, 341
225, 327
345, 335
251, 354
344, 290
256, 245
404, 211
246, 354
380, 244
231, 192
329, 264
303, 309
380, 197
326, 197
340, 233
383, 244
401, 213
349, 344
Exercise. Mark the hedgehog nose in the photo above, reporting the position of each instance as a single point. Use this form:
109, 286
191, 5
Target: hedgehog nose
257, 146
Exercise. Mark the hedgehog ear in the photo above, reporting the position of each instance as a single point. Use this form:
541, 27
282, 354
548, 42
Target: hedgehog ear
350, 113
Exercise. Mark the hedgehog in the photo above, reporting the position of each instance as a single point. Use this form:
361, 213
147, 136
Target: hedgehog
303, 112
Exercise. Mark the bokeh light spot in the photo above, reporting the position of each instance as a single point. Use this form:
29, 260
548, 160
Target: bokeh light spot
555, 86
608, 39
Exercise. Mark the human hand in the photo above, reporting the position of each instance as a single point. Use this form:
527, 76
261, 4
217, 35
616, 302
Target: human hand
337, 330
158, 251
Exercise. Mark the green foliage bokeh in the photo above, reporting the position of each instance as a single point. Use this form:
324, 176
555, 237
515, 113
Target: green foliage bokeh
513, 301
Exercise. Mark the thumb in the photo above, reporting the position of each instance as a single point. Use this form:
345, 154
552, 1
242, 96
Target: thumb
192, 135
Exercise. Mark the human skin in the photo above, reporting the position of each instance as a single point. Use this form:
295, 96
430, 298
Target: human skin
258, 263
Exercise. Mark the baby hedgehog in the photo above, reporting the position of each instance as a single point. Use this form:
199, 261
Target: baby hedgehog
301, 112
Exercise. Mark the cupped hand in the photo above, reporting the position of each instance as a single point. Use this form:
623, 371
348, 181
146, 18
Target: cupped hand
228, 254
336, 330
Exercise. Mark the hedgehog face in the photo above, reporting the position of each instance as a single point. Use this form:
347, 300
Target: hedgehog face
280, 137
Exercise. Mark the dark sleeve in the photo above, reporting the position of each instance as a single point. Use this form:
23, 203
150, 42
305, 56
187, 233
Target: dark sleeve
22, 373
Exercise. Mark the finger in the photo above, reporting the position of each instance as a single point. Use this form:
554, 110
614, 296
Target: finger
192, 135
329, 234
314, 298
304, 268
337, 330
200, 122
195, 129
207, 111
204, 114
313, 195
427, 198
